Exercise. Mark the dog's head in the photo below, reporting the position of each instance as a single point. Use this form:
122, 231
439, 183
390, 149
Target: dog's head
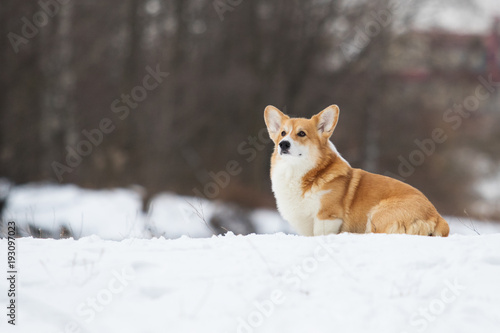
296, 139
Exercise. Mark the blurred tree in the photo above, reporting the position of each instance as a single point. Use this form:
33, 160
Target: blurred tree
393, 85
58, 115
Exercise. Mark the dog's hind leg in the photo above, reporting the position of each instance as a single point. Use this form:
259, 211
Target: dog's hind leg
396, 218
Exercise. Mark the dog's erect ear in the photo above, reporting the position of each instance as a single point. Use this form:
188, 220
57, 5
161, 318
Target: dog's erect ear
274, 118
326, 120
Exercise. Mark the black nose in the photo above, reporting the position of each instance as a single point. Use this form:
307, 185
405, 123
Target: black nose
285, 145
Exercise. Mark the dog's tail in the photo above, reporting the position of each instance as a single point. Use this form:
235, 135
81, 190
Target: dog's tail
442, 229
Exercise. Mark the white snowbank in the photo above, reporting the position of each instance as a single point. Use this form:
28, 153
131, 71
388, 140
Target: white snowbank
258, 283
172, 216
116, 214
268, 221
468, 226
111, 214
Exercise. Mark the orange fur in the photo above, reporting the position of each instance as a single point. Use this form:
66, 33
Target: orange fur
359, 200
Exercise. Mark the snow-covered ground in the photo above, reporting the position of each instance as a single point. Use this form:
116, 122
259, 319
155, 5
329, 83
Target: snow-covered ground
127, 279
82, 212
258, 283
116, 214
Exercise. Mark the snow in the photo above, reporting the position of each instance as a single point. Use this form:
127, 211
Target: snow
116, 214
269, 222
474, 17
488, 190
172, 216
112, 214
467, 226
457, 16
258, 283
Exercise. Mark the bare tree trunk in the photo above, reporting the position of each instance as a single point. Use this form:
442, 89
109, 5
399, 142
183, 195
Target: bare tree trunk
129, 128
375, 91
3, 84
58, 120
375, 96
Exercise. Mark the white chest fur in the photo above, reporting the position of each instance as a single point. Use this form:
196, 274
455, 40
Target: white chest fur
298, 209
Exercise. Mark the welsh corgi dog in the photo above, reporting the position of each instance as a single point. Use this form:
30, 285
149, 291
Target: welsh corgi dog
319, 193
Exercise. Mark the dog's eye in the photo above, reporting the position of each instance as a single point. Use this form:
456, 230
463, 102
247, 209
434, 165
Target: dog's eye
283, 133
301, 133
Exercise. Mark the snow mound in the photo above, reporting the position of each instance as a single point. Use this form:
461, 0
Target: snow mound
111, 214
258, 283
173, 216
51, 210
